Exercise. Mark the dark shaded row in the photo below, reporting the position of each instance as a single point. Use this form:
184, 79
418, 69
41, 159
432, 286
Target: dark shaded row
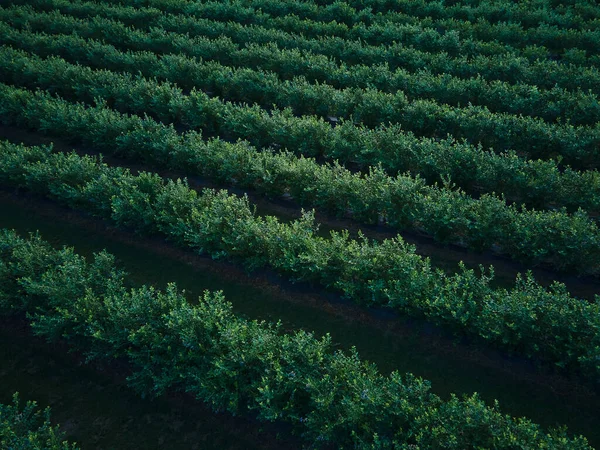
578, 146
565, 242
234, 365
552, 105
540, 184
545, 324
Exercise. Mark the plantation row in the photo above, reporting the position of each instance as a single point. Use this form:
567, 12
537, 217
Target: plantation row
529, 14
465, 41
241, 366
547, 324
535, 182
400, 12
404, 11
481, 134
565, 242
577, 146
531, 68
551, 105
25, 427
567, 14
448, 33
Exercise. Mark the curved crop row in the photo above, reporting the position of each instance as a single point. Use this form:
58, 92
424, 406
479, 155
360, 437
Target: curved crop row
566, 242
551, 105
242, 366
543, 323
529, 15
578, 146
570, 14
355, 12
412, 33
554, 40
539, 182
542, 73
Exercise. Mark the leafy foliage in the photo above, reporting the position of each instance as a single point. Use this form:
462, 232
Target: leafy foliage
475, 122
529, 319
371, 107
403, 201
26, 428
577, 107
243, 366
535, 182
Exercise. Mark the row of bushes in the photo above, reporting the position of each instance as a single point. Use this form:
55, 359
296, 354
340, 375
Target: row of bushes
25, 427
579, 146
240, 366
572, 46
361, 23
355, 12
556, 104
428, 13
565, 242
467, 39
543, 323
530, 68
538, 183
578, 14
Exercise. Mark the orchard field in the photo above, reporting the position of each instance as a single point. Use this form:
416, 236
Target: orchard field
300, 224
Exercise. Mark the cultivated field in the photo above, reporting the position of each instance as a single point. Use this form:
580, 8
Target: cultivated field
350, 182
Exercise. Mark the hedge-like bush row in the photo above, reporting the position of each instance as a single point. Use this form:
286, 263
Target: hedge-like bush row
546, 324
356, 12
565, 242
449, 34
579, 146
242, 366
552, 105
517, 70
413, 35
353, 12
538, 183
25, 427
531, 66
440, 36
571, 46
494, 12
578, 15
